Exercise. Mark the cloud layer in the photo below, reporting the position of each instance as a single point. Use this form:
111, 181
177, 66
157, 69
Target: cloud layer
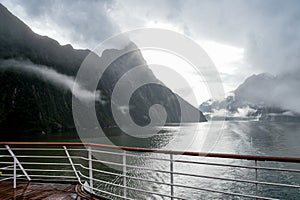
53, 77
81, 23
267, 30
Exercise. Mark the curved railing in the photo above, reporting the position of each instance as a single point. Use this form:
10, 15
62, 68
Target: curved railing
128, 173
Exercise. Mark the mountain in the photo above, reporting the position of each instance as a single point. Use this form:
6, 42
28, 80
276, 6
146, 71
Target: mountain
36, 74
255, 98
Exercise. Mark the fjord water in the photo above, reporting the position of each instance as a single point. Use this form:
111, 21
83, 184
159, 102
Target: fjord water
253, 138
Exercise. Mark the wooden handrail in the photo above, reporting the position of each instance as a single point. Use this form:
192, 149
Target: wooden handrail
189, 153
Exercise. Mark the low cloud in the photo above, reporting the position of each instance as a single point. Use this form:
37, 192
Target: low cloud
53, 77
244, 112
280, 91
283, 93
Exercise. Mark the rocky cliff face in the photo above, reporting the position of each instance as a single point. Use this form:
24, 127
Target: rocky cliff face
33, 102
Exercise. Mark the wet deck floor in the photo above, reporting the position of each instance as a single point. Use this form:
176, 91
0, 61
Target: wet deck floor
37, 190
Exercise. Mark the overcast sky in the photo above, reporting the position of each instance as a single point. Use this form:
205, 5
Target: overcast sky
241, 37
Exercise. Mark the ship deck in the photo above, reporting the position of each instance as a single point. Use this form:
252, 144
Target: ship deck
42, 190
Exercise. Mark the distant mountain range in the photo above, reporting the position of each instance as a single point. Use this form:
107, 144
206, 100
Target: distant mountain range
31, 101
255, 99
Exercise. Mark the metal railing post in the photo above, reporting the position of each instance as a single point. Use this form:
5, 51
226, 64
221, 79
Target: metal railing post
15, 174
171, 175
256, 178
124, 175
90, 156
16, 161
72, 164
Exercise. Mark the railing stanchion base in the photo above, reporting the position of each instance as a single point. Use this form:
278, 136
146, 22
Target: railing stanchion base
15, 174
90, 167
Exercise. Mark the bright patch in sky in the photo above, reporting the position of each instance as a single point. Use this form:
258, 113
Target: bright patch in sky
226, 58
170, 65
162, 25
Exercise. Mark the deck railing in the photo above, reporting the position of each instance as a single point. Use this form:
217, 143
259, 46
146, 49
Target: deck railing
127, 173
